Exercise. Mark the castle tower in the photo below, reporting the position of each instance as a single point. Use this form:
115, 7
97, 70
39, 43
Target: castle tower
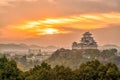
86, 42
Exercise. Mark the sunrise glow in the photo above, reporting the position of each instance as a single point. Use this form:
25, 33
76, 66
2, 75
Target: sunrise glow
54, 25
59, 25
50, 31
38, 19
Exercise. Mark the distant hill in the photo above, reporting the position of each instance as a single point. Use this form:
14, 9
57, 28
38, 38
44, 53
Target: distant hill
73, 58
109, 46
52, 47
13, 46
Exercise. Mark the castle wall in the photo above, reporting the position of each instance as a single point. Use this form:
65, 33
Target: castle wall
84, 47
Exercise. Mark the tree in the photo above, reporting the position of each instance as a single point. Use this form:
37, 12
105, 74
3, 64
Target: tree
94, 70
8, 69
62, 73
40, 72
91, 70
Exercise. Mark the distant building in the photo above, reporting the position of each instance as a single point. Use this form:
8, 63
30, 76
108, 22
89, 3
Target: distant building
87, 42
34, 51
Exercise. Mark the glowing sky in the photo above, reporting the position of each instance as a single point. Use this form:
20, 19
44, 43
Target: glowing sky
59, 22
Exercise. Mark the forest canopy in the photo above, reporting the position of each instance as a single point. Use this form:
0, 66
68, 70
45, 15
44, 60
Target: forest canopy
91, 70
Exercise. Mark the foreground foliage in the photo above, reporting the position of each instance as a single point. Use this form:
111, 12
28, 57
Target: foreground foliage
91, 70
9, 70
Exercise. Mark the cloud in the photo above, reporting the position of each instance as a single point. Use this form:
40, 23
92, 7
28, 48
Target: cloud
19, 11
9, 2
28, 20
52, 1
83, 6
65, 15
90, 21
69, 6
62, 25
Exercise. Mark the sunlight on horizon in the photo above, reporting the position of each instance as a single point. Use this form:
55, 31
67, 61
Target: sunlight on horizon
49, 31
59, 25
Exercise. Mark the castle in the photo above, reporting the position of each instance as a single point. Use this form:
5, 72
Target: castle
87, 42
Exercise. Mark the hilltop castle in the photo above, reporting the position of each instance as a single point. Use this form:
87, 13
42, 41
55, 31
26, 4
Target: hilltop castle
87, 42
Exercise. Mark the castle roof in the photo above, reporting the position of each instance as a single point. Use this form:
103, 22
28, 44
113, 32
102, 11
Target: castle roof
87, 33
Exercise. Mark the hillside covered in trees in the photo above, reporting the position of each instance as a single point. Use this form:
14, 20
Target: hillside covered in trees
91, 70
73, 58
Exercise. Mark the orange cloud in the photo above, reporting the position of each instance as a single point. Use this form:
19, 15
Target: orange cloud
53, 25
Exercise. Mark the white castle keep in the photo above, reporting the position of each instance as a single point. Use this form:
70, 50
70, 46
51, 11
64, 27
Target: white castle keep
87, 42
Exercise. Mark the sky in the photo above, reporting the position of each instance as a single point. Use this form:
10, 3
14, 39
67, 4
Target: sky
59, 22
